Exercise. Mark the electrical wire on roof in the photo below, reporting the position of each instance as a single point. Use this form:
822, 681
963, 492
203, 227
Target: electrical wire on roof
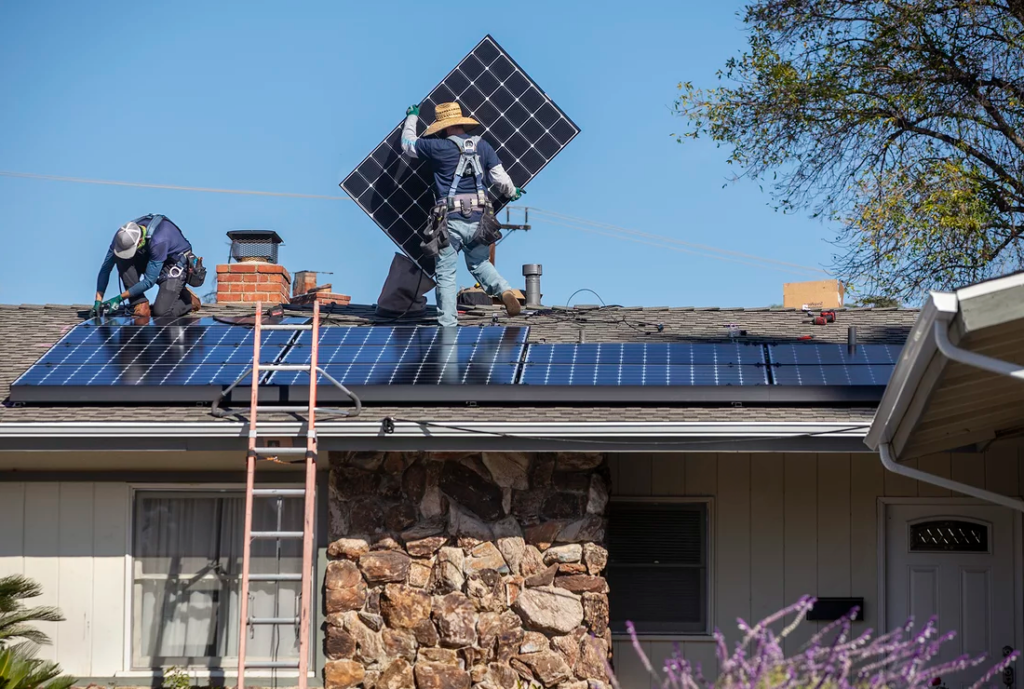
388, 427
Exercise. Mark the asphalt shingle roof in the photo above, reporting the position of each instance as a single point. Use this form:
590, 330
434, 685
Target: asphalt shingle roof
27, 331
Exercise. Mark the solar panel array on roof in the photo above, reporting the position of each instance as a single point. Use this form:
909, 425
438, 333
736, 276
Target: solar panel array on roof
178, 352
194, 359
516, 117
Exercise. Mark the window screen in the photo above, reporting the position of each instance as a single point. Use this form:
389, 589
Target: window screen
657, 567
949, 535
187, 565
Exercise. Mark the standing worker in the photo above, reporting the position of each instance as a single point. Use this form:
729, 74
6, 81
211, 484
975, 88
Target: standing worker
463, 218
148, 251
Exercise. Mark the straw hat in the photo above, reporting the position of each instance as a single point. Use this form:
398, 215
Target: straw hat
448, 115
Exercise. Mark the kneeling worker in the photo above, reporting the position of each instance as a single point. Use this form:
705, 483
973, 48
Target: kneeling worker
463, 217
148, 251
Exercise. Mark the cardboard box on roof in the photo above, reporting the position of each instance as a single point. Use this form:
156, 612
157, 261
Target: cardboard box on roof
817, 294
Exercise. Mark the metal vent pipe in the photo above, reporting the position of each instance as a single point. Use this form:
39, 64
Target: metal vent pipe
532, 272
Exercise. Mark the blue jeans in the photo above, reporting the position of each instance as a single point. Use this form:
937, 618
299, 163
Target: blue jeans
477, 260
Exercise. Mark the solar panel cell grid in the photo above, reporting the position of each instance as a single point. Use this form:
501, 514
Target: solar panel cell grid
411, 356
839, 375
683, 375
523, 125
833, 354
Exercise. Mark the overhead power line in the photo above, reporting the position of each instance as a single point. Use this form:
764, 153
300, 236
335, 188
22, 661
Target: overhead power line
680, 249
107, 182
672, 240
551, 217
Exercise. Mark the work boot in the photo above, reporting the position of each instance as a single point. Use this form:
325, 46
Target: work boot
141, 313
508, 298
196, 303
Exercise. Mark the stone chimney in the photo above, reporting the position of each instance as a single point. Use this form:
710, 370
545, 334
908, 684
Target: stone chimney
256, 276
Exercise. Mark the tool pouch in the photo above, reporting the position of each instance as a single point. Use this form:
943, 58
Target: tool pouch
435, 234
488, 231
196, 271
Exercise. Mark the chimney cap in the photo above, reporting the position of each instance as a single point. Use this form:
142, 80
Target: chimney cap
256, 235
259, 246
532, 269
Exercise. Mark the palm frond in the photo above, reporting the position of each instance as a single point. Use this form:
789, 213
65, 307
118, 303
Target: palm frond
16, 588
19, 669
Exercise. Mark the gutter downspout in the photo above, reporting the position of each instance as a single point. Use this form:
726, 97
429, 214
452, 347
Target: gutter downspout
986, 363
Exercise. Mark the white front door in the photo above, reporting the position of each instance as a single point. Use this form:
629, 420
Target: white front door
955, 562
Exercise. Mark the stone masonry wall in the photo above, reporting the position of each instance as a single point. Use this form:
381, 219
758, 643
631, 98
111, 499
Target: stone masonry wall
466, 570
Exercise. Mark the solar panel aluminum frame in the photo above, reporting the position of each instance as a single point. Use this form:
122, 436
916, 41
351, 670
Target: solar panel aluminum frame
409, 166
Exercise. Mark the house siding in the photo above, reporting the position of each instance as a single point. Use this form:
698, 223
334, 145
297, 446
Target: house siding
786, 525
71, 538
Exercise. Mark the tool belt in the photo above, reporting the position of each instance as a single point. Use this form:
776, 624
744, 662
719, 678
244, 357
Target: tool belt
196, 270
435, 234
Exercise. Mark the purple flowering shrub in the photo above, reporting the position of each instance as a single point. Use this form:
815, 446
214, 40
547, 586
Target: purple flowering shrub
832, 659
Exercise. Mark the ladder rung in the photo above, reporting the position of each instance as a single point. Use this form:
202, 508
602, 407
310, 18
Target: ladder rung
292, 409
276, 534
279, 450
273, 620
271, 664
279, 492
275, 577
284, 326
285, 367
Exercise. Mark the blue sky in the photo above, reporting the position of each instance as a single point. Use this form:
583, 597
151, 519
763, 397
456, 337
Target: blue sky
291, 96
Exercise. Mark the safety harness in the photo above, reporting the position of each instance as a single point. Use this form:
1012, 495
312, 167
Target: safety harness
188, 263
436, 235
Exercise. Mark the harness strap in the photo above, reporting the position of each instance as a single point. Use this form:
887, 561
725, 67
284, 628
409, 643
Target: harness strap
468, 158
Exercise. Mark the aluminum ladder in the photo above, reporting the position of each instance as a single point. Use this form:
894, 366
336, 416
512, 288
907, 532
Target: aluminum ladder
308, 493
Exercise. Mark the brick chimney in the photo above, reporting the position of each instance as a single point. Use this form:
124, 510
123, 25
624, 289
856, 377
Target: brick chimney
252, 281
306, 291
256, 276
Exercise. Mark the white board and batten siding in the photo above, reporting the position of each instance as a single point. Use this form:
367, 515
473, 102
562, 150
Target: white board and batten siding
71, 537
786, 525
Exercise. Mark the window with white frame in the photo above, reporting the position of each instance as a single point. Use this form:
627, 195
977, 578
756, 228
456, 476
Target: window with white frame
657, 566
187, 566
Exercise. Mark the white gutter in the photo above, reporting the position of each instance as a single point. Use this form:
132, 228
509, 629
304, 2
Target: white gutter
438, 429
935, 320
917, 475
986, 363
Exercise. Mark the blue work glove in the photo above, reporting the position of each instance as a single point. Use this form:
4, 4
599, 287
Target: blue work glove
113, 302
519, 194
413, 110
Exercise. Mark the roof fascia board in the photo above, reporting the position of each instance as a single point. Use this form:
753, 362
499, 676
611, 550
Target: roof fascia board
431, 429
913, 370
477, 443
991, 303
464, 394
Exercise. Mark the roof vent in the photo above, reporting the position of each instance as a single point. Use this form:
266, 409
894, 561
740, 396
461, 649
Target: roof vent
532, 272
254, 246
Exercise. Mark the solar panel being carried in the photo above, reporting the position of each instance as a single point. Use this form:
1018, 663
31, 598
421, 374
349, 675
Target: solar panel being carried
516, 117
